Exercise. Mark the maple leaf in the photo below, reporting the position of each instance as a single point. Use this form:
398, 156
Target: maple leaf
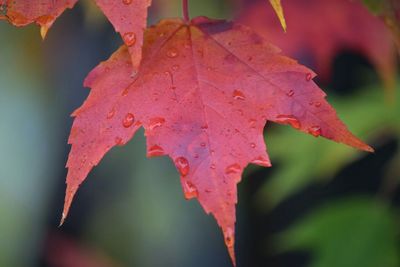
127, 16
318, 30
203, 94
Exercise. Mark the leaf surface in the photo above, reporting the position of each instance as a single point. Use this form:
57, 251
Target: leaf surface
319, 30
203, 94
127, 16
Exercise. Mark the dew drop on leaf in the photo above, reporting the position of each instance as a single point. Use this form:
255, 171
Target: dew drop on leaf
127, 2
253, 123
182, 164
308, 77
290, 93
156, 122
129, 38
171, 53
315, 131
229, 238
261, 161
253, 145
213, 166
189, 190
128, 120
289, 119
234, 168
238, 95
111, 114
155, 150
118, 141
317, 104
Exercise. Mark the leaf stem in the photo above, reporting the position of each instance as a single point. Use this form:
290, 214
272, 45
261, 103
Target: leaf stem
185, 10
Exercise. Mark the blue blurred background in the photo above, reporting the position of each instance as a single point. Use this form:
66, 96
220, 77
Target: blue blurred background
322, 204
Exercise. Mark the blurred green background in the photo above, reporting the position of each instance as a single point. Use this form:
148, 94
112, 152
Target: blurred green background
322, 204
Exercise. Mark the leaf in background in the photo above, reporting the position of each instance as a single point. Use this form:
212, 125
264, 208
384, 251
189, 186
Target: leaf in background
41, 12
357, 232
288, 178
276, 4
390, 11
318, 30
127, 16
203, 94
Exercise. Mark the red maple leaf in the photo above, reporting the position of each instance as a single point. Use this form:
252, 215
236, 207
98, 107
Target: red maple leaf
321, 29
127, 16
203, 94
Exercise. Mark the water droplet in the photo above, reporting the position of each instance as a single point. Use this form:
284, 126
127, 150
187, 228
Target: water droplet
203, 144
156, 122
155, 150
308, 77
111, 114
118, 141
172, 53
315, 131
253, 123
253, 145
234, 168
175, 67
182, 164
127, 2
317, 104
289, 119
229, 237
129, 38
238, 95
189, 190
290, 93
125, 92
204, 126
213, 166
262, 161
128, 120
311, 103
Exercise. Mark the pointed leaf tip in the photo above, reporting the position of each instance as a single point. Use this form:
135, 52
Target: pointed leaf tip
277, 5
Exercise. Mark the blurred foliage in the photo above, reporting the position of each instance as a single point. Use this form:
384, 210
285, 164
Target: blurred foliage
356, 232
28, 151
389, 10
375, 6
303, 159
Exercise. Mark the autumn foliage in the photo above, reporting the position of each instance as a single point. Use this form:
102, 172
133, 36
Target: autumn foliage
204, 89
